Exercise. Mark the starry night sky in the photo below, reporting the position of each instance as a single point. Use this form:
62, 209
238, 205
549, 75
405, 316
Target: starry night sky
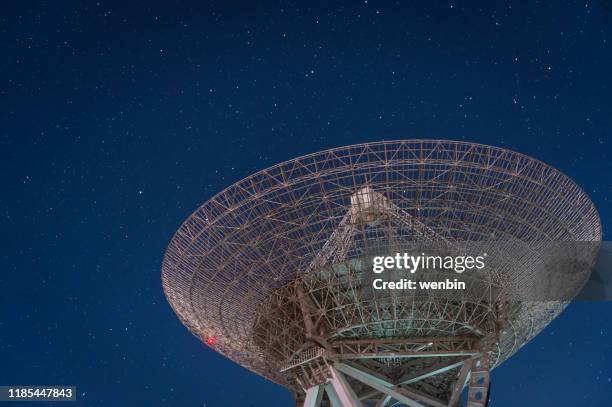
118, 120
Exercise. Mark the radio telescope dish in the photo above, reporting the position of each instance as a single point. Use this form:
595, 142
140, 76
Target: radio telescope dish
270, 271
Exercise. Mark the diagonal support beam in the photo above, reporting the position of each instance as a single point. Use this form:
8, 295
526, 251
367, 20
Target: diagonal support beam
410, 378
383, 401
332, 395
314, 395
345, 393
386, 387
337, 244
376, 383
436, 369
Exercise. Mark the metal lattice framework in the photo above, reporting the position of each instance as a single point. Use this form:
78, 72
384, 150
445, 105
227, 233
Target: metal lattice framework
272, 269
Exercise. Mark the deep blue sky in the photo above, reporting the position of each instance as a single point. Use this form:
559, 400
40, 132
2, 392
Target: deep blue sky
117, 120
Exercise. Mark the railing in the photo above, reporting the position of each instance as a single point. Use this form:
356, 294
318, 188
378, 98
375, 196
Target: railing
303, 357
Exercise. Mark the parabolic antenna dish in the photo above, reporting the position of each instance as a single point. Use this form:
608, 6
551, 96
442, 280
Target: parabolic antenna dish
270, 271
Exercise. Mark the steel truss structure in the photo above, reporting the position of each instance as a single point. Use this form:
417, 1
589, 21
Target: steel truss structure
273, 270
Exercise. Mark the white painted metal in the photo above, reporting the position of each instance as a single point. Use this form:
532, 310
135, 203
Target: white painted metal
313, 396
332, 395
376, 383
345, 393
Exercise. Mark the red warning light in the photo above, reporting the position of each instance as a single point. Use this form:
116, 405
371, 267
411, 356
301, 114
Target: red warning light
210, 341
